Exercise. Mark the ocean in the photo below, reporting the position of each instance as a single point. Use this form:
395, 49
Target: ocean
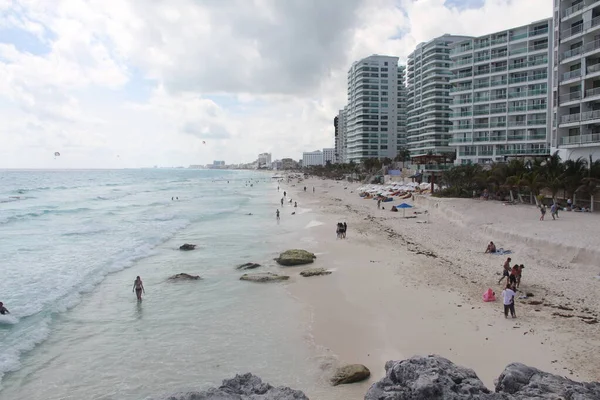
72, 243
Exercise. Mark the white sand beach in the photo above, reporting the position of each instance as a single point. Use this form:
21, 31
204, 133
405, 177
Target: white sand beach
408, 286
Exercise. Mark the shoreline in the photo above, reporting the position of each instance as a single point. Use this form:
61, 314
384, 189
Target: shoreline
396, 291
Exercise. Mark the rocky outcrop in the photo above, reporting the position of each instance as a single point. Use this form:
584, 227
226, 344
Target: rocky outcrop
350, 374
187, 247
523, 382
295, 257
264, 277
434, 377
243, 387
314, 272
248, 266
184, 277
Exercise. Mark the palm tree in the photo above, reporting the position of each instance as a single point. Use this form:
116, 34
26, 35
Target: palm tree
575, 172
534, 182
589, 187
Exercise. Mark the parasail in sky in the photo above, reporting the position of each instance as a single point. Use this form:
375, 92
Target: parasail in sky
56, 154
203, 142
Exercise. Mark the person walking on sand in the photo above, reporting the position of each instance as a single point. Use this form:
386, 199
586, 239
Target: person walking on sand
3, 310
284, 193
277, 214
282, 202
138, 288
508, 297
506, 270
345, 229
543, 212
379, 204
519, 273
554, 210
313, 189
514, 272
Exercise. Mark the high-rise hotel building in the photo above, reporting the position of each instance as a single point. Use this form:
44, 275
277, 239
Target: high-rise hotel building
576, 94
428, 122
371, 117
500, 89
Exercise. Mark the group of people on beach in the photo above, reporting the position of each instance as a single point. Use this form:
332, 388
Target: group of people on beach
513, 281
341, 230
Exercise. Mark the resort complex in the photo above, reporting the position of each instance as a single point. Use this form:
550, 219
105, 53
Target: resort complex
528, 91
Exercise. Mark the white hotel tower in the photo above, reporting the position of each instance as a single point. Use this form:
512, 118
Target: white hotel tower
429, 99
576, 95
500, 91
371, 129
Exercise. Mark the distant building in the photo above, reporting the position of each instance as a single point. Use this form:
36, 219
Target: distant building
288, 163
328, 155
341, 136
277, 164
264, 160
311, 158
216, 165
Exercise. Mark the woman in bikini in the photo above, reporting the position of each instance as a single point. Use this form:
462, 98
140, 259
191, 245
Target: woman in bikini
138, 287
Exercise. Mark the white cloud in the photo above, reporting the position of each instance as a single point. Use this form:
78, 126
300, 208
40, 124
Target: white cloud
151, 79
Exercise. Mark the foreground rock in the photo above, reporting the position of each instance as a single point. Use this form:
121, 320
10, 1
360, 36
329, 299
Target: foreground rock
264, 277
243, 387
434, 377
314, 272
248, 266
184, 277
524, 382
187, 247
295, 257
350, 374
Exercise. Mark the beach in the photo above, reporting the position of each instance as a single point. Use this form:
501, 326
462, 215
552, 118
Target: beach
398, 286
413, 286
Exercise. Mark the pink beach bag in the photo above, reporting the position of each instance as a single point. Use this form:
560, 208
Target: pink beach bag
489, 295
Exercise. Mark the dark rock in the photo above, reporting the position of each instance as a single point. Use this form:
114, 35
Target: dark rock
524, 382
350, 374
242, 387
264, 277
436, 378
428, 378
314, 272
248, 266
187, 247
184, 277
295, 257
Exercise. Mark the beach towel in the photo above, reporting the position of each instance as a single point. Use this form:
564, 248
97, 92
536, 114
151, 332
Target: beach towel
489, 296
502, 252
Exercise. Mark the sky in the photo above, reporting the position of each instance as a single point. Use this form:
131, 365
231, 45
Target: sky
138, 83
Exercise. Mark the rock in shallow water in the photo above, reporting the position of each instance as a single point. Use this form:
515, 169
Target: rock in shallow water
350, 374
314, 272
295, 257
248, 266
264, 277
243, 387
184, 277
436, 378
187, 247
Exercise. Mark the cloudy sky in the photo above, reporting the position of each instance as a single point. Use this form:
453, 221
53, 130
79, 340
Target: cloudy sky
134, 83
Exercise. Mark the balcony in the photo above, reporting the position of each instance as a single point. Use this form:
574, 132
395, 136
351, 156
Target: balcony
460, 89
485, 111
540, 61
499, 83
538, 32
537, 77
462, 114
506, 152
593, 68
571, 53
589, 115
517, 80
516, 95
461, 140
498, 97
481, 45
461, 49
517, 65
498, 124
517, 109
498, 111
533, 107
481, 85
518, 51
462, 101
480, 59
570, 118
480, 99
537, 92
536, 122
595, 45
482, 71
572, 10
519, 36
538, 47
581, 139
481, 126
463, 75
499, 55
516, 123
498, 69
571, 75
461, 128
499, 40
565, 98
467, 153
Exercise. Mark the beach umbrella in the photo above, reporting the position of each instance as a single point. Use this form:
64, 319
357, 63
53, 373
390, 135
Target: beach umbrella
404, 206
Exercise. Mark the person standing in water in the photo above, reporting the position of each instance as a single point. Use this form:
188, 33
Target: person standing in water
3, 310
282, 202
138, 288
277, 214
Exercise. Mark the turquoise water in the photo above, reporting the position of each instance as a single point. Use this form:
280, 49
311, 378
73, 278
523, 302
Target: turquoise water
72, 244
